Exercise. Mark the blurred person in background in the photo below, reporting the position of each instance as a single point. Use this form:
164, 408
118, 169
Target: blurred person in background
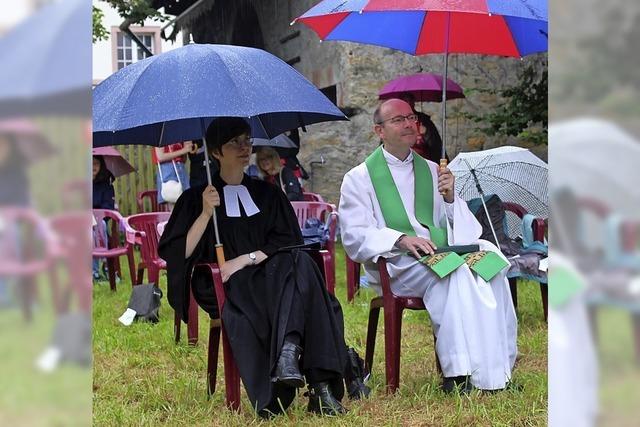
429, 143
197, 166
14, 192
280, 175
103, 198
171, 161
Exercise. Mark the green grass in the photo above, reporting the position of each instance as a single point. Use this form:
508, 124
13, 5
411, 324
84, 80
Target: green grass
619, 373
141, 377
29, 397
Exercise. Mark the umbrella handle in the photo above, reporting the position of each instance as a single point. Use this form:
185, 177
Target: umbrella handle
220, 255
443, 165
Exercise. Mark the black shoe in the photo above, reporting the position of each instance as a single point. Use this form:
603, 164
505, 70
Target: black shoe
321, 400
510, 386
462, 384
357, 389
287, 370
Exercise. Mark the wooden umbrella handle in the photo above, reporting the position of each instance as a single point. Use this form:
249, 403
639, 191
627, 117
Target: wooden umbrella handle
443, 165
220, 255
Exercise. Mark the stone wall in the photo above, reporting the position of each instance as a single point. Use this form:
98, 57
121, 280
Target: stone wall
358, 71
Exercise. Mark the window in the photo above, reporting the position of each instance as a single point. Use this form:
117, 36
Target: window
129, 52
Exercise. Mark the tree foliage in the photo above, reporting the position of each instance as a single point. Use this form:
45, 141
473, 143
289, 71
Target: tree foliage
136, 11
99, 31
524, 112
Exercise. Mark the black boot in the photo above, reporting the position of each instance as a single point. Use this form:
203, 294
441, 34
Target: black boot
321, 400
287, 370
462, 384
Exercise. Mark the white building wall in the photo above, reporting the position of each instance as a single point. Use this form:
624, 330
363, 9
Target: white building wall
104, 50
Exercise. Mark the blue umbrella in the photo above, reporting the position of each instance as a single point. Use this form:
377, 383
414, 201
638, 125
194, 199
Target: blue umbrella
174, 96
46, 65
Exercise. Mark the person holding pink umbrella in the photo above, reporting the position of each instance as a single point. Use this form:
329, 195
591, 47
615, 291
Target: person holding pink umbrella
108, 164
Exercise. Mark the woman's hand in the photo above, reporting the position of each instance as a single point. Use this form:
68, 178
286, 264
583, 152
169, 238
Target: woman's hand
232, 266
210, 199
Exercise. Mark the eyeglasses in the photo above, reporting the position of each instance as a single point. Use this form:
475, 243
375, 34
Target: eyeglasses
240, 141
397, 120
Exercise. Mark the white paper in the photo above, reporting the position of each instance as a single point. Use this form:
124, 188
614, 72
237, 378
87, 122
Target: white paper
49, 360
233, 193
544, 264
127, 317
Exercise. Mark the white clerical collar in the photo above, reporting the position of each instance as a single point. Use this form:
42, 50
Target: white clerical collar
393, 160
233, 193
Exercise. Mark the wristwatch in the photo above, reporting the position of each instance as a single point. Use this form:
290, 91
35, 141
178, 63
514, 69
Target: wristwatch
252, 257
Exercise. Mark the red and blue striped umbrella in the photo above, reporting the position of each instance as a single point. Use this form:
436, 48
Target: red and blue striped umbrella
419, 27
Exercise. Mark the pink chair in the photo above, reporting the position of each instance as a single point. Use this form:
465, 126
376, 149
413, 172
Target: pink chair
231, 373
326, 213
72, 242
393, 307
152, 195
312, 197
111, 249
142, 229
21, 229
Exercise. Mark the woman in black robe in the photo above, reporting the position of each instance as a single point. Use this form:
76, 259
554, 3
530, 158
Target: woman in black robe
280, 320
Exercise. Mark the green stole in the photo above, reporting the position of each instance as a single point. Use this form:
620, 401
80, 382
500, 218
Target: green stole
484, 263
393, 210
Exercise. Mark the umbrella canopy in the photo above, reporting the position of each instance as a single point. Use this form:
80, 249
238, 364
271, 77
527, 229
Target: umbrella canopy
280, 141
420, 27
424, 87
114, 161
173, 96
46, 67
515, 174
596, 159
30, 141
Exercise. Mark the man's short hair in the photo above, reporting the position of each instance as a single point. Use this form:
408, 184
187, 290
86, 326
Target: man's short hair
223, 130
377, 115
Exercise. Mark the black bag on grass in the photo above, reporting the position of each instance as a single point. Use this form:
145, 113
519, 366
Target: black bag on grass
145, 301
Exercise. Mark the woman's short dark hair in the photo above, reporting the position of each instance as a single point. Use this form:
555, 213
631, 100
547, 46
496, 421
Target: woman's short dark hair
224, 129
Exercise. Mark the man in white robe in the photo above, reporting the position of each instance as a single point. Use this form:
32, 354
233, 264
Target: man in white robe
474, 320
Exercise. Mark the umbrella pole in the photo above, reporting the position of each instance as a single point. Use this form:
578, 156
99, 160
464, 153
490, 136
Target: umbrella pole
484, 205
443, 160
219, 249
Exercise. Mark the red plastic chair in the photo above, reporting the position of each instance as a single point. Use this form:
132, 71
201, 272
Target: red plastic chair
393, 308
152, 195
327, 213
312, 197
538, 234
112, 250
353, 269
21, 229
72, 242
231, 373
143, 229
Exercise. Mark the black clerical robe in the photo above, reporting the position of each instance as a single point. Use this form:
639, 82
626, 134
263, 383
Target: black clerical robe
259, 299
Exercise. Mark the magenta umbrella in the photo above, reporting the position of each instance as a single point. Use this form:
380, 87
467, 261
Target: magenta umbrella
116, 164
425, 87
27, 136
